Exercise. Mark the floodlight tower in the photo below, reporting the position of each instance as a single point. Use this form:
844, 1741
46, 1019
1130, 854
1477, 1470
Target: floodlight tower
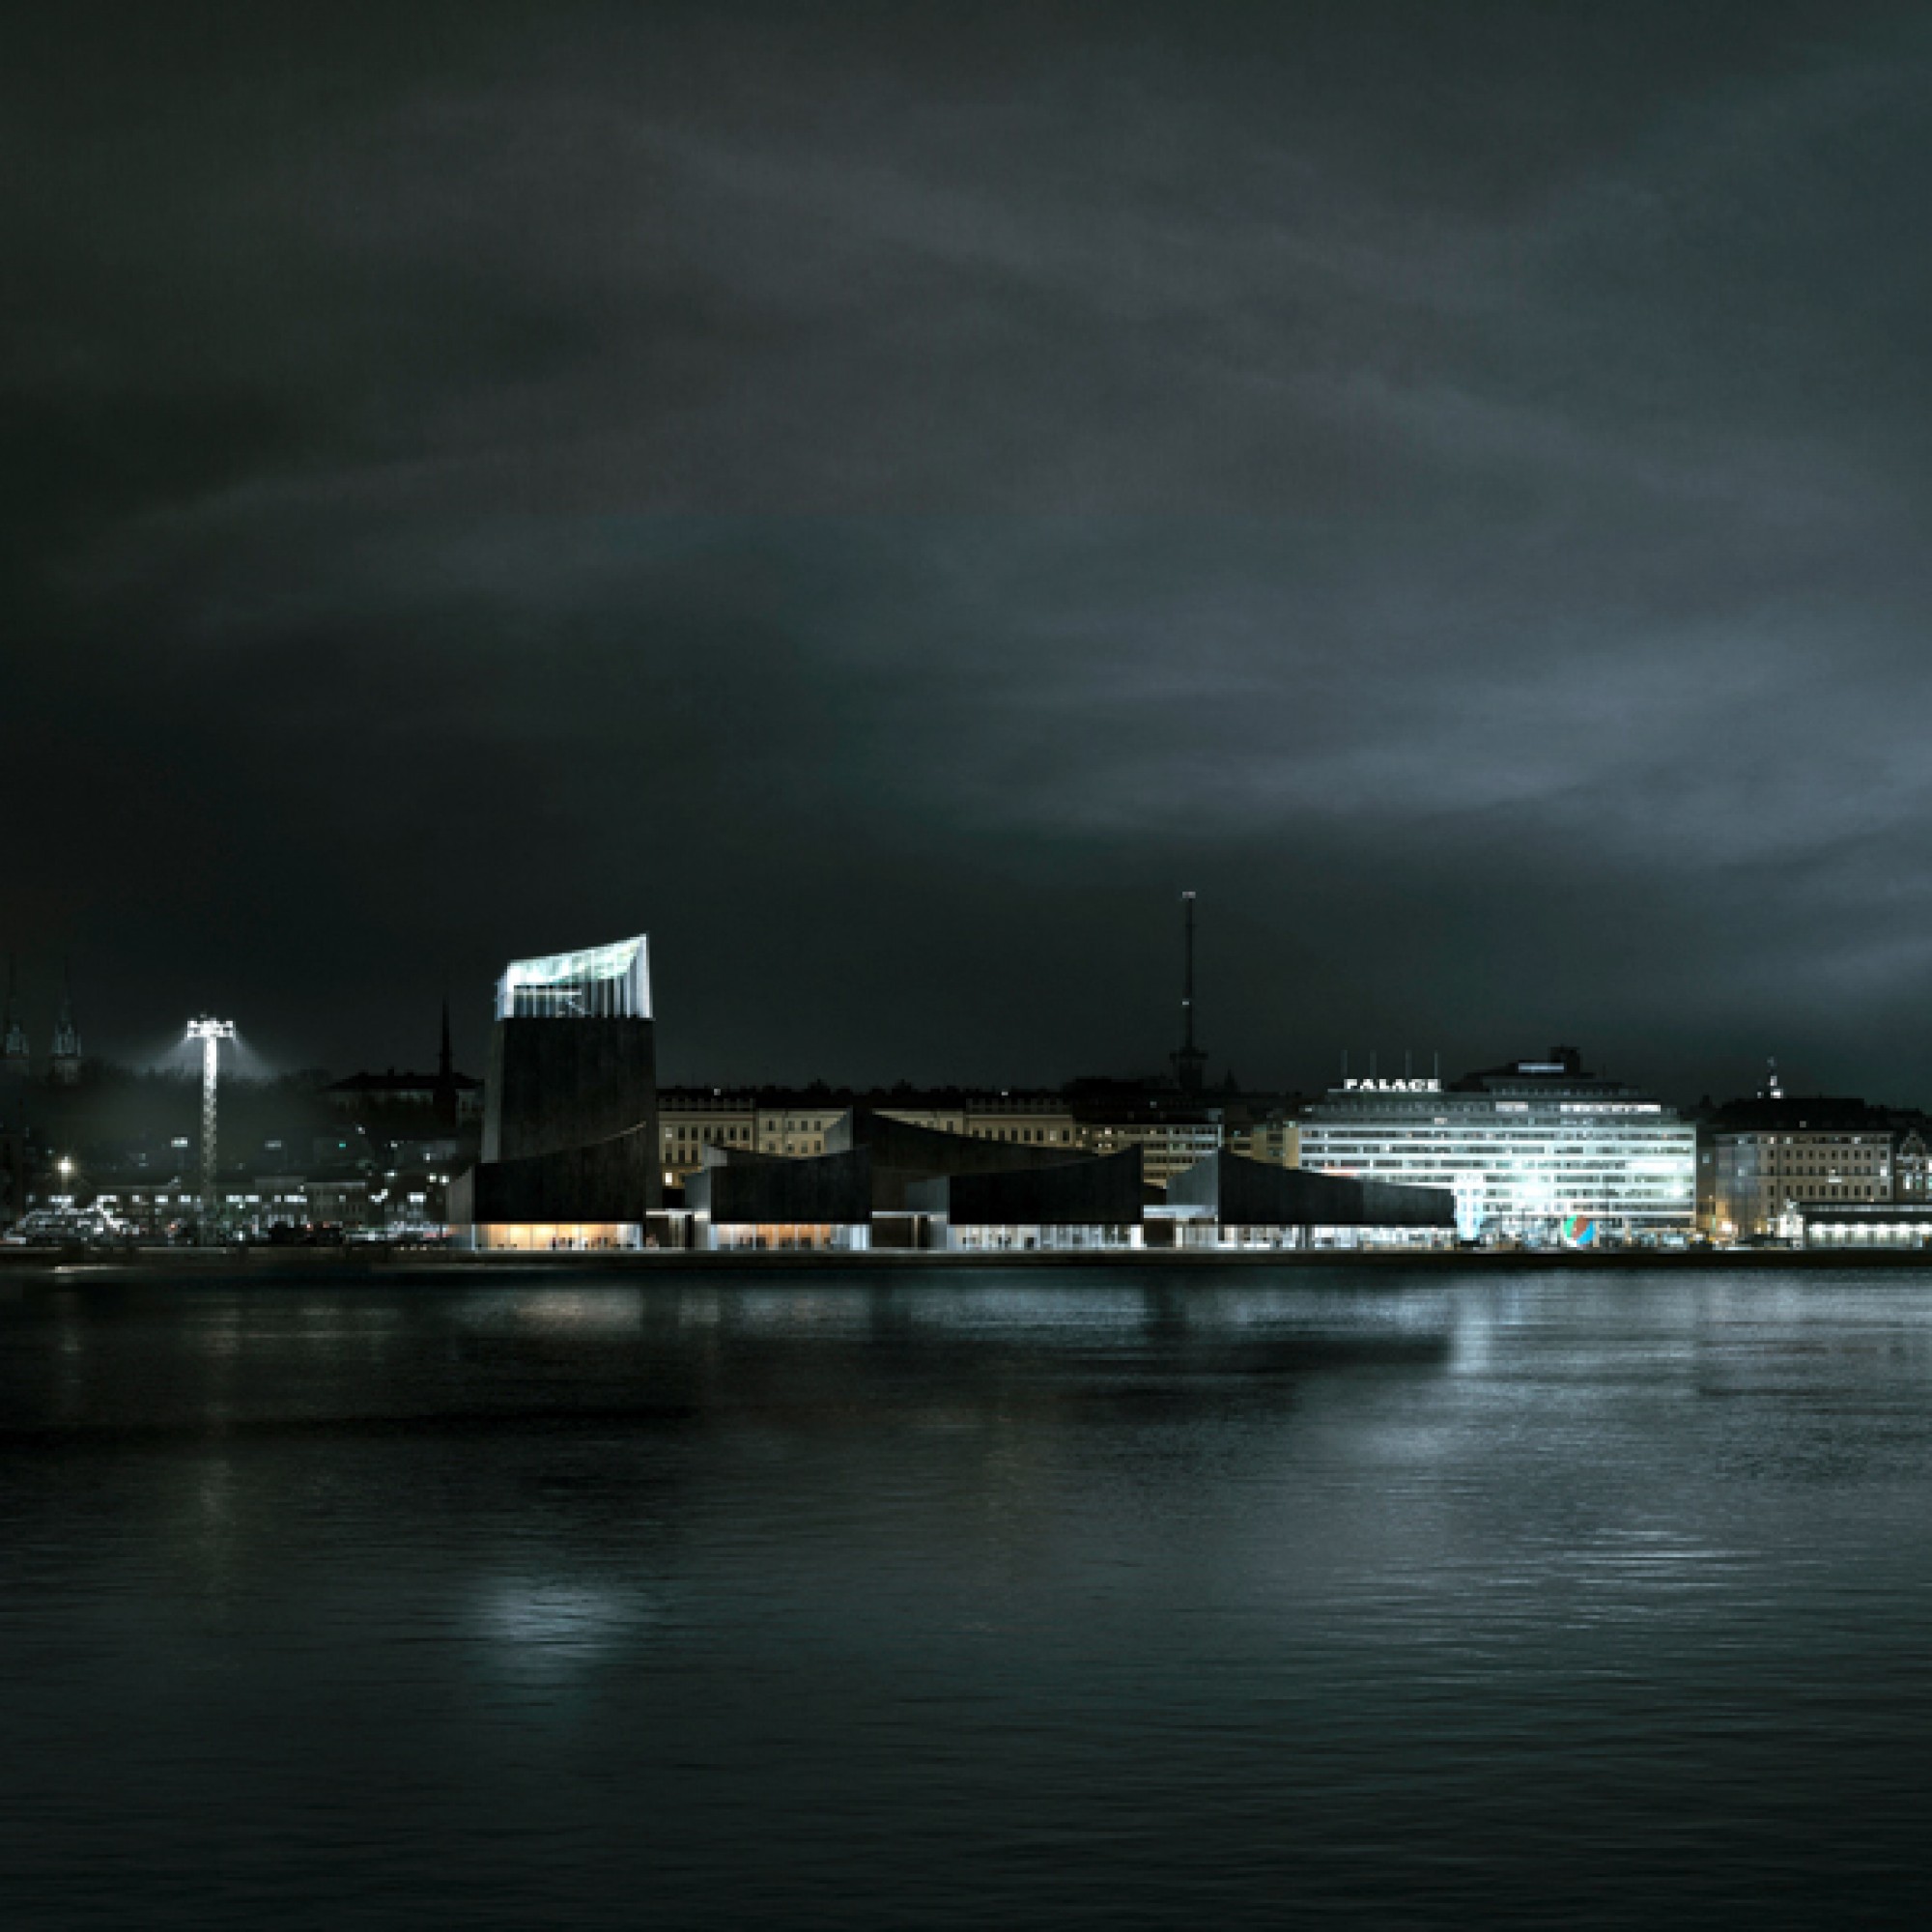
210, 1034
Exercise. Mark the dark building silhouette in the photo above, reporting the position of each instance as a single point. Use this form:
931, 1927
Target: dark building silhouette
903, 1152
1100, 1196
1239, 1200
889, 1183
830, 1194
570, 1116
445, 1099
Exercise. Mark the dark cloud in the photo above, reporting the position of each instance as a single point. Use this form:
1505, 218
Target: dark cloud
884, 496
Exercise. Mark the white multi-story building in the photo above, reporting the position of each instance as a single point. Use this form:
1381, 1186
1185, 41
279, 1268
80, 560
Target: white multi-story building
1539, 1152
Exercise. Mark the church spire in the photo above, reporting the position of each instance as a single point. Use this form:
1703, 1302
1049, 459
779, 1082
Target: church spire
14, 1050
66, 1035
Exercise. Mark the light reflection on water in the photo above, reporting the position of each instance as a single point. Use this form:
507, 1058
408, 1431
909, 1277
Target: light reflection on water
887, 1600
549, 1625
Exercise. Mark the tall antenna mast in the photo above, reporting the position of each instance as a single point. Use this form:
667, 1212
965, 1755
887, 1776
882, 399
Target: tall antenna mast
1188, 982
1190, 1062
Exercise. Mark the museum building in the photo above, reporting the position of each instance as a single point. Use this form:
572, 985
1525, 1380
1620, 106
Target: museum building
570, 1111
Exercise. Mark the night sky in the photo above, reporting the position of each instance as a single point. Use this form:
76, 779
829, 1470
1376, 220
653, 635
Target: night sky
885, 498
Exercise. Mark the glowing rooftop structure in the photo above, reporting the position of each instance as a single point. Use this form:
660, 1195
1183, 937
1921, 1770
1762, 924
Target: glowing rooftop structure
601, 983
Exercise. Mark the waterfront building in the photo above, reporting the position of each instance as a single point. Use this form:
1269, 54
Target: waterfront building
1093, 1201
1171, 1133
795, 1121
570, 1114
742, 1198
1232, 1202
1912, 1168
407, 1202
885, 1183
1774, 1159
1539, 1151
1862, 1224
852, 1187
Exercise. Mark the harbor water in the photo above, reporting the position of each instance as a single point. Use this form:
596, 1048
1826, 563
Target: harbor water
864, 1598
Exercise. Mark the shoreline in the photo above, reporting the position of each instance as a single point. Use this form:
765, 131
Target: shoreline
377, 1259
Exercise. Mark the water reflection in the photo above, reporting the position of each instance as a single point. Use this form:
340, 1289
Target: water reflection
1019, 1597
548, 1627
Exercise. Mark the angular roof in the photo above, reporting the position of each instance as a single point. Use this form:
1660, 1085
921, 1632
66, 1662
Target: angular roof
1244, 1193
753, 1190
1100, 1191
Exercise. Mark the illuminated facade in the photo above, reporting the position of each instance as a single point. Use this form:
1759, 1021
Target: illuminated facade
570, 1113
601, 983
1169, 1145
1775, 1157
1274, 1139
1898, 1225
1538, 1152
551, 1236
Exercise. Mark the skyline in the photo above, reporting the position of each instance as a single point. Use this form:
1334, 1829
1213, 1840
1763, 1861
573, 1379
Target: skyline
884, 503
1352, 1067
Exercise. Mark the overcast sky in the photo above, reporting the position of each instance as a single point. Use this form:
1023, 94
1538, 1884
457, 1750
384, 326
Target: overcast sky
883, 497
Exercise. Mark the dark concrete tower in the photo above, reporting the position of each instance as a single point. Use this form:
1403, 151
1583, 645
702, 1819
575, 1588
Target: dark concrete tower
1190, 1062
65, 1065
570, 1104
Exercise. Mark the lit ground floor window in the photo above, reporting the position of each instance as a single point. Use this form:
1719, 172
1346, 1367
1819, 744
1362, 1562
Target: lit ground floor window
987, 1238
780, 1235
533, 1236
1211, 1235
1874, 1233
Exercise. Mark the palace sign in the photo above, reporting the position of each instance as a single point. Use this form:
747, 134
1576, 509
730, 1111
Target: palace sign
1391, 1086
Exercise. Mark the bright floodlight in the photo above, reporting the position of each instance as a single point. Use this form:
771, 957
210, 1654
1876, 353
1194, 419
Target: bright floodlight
210, 1034
602, 982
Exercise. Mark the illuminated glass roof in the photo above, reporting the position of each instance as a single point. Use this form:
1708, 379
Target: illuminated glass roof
599, 983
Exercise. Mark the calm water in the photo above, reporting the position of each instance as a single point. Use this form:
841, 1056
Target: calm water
1007, 1599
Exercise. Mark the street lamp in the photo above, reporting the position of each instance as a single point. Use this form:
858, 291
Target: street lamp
210, 1034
